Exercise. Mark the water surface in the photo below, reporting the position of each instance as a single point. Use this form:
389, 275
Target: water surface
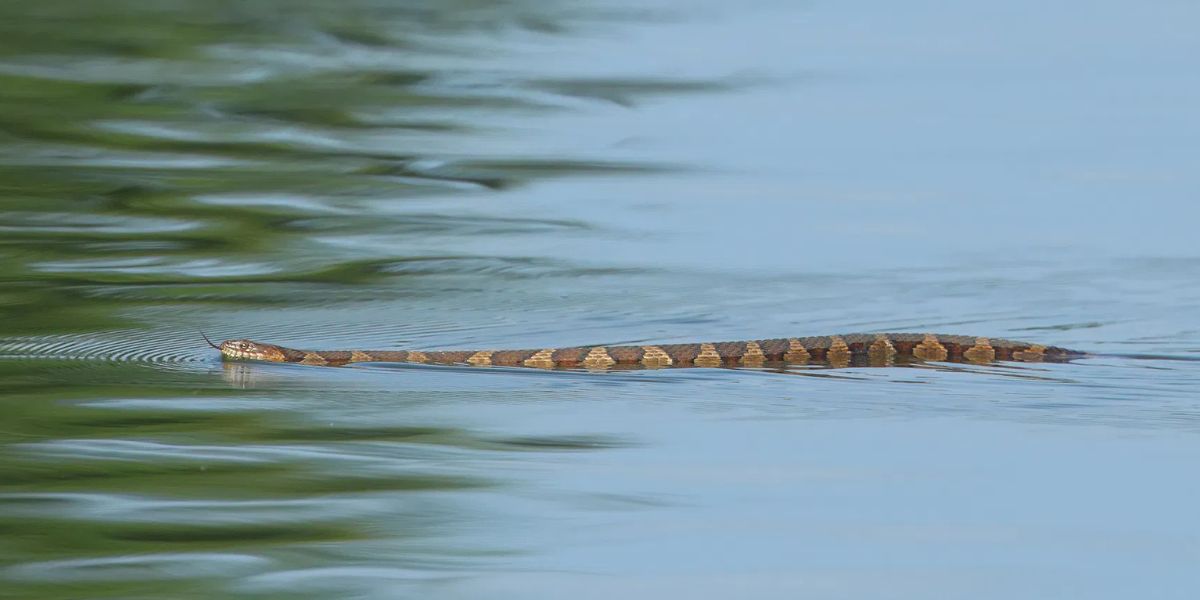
378, 174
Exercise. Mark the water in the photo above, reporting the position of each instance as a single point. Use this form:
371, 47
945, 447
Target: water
378, 174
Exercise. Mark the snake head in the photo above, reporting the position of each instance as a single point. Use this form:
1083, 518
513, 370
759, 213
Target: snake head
248, 350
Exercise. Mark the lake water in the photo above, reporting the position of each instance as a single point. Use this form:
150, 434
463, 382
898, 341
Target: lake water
383, 174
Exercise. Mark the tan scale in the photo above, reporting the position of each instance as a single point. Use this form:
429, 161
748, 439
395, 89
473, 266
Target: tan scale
881, 352
654, 356
839, 353
481, 358
930, 349
754, 356
598, 358
1035, 353
981, 352
542, 359
360, 356
796, 353
414, 356
312, 358
708, 356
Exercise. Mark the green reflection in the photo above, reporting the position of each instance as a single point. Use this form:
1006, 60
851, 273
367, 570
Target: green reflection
157, 159
197, 144
85, 480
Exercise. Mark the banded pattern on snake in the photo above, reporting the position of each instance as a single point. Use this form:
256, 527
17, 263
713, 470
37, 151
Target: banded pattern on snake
855, 349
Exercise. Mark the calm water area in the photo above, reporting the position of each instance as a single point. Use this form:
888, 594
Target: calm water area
428, 174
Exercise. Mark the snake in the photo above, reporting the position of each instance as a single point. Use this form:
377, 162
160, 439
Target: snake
836, 351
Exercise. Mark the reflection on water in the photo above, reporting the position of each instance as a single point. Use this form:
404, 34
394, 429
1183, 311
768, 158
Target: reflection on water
380, 174
202, 156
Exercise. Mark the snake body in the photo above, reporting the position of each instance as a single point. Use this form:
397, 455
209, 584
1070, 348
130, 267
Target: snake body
856, 349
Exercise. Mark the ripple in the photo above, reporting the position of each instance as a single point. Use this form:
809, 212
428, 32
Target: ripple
342, 578
124, 346
145, 71
189, 565
625, 92
14, 222
138, 509
153, 452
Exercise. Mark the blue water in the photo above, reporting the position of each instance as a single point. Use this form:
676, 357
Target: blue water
449, 175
